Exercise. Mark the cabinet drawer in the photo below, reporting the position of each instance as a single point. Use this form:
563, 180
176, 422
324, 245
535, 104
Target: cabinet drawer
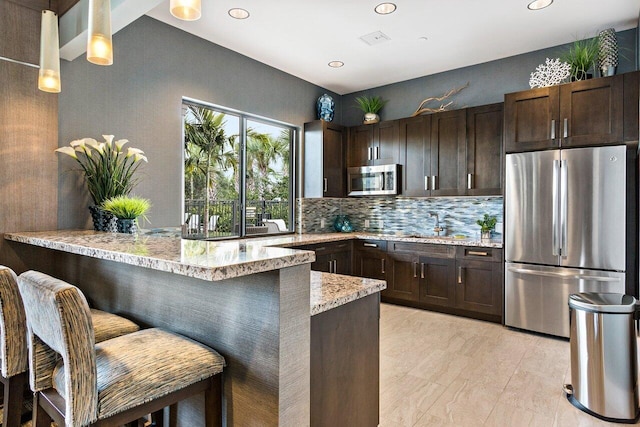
437, 251
479, 253
375, 245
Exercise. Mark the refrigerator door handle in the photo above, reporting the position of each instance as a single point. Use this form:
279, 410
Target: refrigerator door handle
564, 275
555, 206
564, 180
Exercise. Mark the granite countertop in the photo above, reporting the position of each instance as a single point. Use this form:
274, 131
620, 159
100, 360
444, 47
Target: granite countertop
333, 290
219, 260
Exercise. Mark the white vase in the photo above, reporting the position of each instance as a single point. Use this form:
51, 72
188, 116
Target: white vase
370, 118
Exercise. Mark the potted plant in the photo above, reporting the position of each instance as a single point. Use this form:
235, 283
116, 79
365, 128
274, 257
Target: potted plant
370, 105
487, 225
581, 57
127, 210
108, 170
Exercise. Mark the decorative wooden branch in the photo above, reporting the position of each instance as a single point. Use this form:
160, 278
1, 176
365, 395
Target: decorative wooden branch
443, 107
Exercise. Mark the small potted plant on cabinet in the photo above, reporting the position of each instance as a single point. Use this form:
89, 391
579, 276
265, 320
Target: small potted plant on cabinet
370, 105
487, 225
127, 210
581, 57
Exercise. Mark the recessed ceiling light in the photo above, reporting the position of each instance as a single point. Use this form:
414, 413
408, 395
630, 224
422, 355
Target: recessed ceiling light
336, 64
539, 4
423, 38
238, 13
385, 8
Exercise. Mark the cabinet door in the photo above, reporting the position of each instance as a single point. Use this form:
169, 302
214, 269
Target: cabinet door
479, 286
323, 263
531, 120
333, 161
342, 262
370, 264
360, 152
448, 157
436, 282
591, 112
402, 277
415, 136
386, 142
484, 150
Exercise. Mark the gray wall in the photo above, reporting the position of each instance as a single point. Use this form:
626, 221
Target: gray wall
139, 98
488, 82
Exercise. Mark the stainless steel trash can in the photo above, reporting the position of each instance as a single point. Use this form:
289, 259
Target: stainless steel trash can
604, 356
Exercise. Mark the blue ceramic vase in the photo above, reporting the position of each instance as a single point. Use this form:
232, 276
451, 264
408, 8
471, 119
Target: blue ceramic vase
325, 108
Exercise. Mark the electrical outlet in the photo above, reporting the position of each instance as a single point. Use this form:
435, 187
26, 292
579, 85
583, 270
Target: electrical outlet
381, 224
322, 223
366, 223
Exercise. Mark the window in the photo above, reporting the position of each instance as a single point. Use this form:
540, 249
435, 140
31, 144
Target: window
238, 173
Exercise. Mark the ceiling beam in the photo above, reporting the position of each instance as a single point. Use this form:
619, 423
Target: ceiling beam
74, 23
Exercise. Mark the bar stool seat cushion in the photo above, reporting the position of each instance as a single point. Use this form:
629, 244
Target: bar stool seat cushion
142, 366
107, 326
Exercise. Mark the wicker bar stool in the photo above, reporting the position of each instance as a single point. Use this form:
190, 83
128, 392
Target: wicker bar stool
13, 343
79, 383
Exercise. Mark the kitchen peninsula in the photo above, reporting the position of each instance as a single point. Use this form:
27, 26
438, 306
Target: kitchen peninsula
258, 305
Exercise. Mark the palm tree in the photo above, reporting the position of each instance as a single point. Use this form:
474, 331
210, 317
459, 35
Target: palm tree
207, 146
263, 151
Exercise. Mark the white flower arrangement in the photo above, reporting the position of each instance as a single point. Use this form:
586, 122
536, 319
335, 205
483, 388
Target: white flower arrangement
552, 72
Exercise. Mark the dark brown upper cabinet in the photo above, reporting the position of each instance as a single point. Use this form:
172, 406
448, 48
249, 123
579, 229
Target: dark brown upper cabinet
375, 144
415, 151
484, 150
588, 112
324, 152
448, 153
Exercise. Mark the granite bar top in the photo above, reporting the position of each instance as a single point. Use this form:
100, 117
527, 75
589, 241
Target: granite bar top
207, 260
333, 290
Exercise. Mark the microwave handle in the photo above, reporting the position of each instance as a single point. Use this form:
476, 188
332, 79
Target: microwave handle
381, 177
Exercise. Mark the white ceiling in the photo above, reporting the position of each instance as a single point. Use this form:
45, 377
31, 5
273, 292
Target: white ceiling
301, 36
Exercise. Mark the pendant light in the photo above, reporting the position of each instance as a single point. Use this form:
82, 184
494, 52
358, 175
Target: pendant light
187, 10
99, 45
49, 73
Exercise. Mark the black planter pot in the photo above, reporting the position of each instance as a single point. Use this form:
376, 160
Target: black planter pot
101, 218
129, 226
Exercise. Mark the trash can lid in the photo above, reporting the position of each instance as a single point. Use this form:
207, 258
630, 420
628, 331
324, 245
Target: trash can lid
603, 302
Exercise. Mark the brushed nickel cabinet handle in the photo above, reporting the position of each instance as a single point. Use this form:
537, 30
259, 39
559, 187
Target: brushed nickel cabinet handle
478, 253
377, 152
422, 270
415, 269
553, 129
330, 267
565, 133
321, 249
335, 266
433, 182
426, 182
369, 153
383, 260
469, 181
459, 274
326, 184
370, 245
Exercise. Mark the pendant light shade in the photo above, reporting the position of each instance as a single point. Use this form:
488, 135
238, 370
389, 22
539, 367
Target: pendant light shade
49, 74
99, 45
187, 10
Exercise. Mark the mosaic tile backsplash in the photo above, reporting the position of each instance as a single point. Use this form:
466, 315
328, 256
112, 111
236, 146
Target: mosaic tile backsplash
402, 215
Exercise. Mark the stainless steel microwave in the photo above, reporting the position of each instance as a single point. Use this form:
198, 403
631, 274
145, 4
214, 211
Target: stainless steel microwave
373, 180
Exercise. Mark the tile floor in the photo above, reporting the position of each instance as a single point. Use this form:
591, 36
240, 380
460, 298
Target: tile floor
437, 369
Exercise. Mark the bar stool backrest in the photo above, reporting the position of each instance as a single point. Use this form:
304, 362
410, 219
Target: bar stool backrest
13, 326
58, 316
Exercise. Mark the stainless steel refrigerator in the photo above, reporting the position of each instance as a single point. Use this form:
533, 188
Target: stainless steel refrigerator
565, 215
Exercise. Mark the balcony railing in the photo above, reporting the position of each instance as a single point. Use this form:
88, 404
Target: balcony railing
224, 217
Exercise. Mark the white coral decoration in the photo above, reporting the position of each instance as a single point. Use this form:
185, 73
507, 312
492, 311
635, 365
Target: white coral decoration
551, 73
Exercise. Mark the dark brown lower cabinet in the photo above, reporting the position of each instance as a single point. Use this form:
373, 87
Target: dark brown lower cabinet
345, 365
436, 275
331, 257
370, 259
459, 280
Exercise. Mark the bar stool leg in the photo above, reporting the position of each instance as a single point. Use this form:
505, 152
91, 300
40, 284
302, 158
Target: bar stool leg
13, 399
40, 417
213, 403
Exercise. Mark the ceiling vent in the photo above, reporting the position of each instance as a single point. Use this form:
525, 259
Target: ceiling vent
376, 37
